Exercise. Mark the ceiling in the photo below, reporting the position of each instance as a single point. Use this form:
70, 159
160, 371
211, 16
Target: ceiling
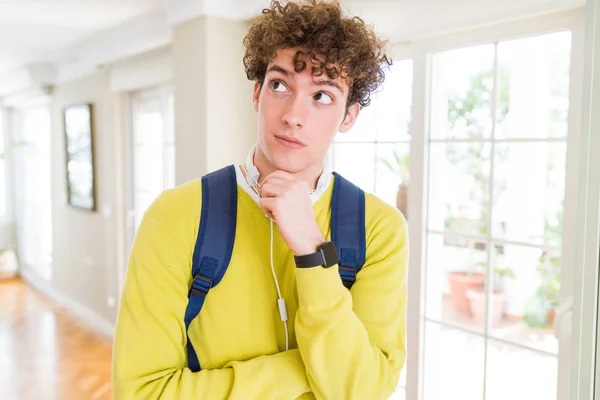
404, 20
52, 30
32, 30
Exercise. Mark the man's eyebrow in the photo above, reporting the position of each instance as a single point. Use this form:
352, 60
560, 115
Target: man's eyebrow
320, 82
326, 82
279, 69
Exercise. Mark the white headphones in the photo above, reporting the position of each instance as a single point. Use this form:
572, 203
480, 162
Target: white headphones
252, 173
252, 176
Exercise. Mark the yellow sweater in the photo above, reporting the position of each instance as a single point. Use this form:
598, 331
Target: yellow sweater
343, 344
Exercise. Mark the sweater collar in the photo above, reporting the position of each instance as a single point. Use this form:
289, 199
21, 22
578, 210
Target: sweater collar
249, 180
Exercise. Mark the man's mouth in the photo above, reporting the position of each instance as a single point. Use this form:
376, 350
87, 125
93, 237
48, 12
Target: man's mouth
289, 141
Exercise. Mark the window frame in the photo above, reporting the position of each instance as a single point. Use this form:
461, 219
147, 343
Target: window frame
420, 51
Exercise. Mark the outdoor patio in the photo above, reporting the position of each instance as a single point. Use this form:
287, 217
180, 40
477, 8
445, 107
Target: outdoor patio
454, 361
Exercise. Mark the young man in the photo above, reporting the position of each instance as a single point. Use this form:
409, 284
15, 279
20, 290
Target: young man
314, 69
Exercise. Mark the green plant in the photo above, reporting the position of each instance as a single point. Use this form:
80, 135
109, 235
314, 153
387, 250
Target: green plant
553, 228
399, 165
549, 266
549, 269
504, 273
500, 273
10, 149
465, 111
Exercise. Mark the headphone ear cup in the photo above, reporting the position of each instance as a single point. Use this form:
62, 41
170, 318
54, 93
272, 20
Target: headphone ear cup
253, 175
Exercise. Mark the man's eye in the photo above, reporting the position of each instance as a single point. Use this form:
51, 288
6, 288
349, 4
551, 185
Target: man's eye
323, 98
278, 86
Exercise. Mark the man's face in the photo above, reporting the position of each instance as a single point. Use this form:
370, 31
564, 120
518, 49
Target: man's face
299, 114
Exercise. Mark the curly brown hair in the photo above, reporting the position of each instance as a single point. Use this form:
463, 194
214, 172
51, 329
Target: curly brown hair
335, 44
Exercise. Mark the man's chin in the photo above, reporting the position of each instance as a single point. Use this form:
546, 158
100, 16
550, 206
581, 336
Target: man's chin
288, 164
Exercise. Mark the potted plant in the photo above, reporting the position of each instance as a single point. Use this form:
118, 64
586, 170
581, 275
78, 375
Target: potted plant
459, 283
549, 289
549, 266
477, 301
400, 165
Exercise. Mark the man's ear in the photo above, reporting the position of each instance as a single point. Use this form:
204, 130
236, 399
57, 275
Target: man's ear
350, 118
256, 94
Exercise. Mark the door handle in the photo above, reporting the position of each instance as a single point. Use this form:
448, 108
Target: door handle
562, 318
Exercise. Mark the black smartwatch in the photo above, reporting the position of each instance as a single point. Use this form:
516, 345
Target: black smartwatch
326, 256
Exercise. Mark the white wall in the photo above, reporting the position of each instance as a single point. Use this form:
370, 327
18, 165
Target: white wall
7, 235
189, 86
232, 120
215, 123
83, 242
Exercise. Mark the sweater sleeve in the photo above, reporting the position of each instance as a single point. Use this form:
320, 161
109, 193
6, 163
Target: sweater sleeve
149, 360
353, 342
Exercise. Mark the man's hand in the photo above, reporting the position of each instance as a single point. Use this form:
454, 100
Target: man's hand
287, 201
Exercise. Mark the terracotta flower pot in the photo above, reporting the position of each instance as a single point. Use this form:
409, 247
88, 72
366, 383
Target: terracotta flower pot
402, 199
460, 282
477, 301
552, 317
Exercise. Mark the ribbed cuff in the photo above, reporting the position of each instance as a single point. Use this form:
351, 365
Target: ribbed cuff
278, 376
320, 286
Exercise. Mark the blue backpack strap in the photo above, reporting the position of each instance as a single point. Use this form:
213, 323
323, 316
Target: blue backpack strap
214, 244
348, 228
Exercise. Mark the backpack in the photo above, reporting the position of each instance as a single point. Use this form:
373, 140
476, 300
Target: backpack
214, 244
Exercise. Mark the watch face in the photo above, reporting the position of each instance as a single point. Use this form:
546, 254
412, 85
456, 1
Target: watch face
329, 253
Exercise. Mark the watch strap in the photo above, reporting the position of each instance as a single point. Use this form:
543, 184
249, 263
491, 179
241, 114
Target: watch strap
310, 260
325, 256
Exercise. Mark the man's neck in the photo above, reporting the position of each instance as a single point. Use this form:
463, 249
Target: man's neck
310, 175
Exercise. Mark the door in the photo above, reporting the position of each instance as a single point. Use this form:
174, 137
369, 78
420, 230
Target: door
492, 143
150, 153
33, 203
495, 210
585, 365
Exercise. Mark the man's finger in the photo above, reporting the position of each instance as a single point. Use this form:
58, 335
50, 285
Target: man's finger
276, 180
268, 205
280, 175
272, 190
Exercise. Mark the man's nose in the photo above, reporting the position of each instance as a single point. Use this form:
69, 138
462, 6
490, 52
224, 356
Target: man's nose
295, 115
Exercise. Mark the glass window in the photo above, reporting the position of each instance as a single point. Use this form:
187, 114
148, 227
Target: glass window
375, 153
495, 199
